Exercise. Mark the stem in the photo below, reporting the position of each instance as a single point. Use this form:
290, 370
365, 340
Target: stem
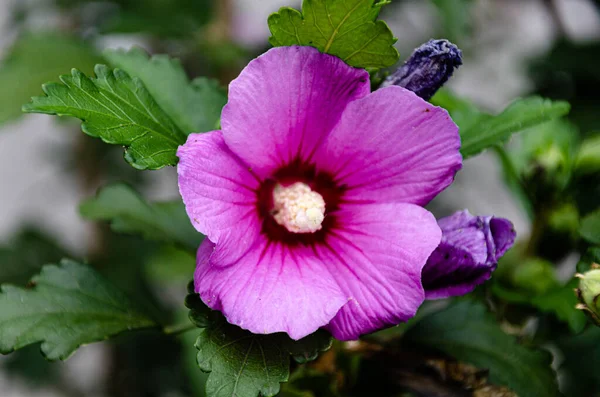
178, 329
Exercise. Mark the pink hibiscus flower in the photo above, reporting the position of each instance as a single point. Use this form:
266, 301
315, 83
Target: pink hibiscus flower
311, 197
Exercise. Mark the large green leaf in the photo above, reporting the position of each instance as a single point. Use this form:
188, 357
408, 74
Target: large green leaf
65, 307
34, 60
119, 110
346, 29
467, 332
129, 213
243, 364
480, 131
194, 107
590, 227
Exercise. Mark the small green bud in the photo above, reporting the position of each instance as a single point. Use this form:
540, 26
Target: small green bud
589, 293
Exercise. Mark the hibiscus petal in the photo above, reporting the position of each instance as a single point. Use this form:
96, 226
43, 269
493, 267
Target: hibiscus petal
392, 146
285, 102
273, 288
452, 271
470, 233
219, 192
504, 234
376, 253
468, 254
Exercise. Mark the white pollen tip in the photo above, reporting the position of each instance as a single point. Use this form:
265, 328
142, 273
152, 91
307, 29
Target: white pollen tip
298, 208
315, 216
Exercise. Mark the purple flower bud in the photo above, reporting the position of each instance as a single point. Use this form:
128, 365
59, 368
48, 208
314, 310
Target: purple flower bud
467, 255
427, 69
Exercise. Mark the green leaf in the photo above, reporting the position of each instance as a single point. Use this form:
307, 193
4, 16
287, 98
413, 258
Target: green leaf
561, 302
590, 227
67, 306
119, 110
552, 145
243, 364
129, 213
518, 116
194, 107
346, 29
468, 333
308, 348
480, 131
32, 61
25, 255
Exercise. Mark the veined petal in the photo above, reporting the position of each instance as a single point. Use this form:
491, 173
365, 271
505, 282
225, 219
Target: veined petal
285, 102
219, 192
503, 234
453, 271
468, 254
392, 146
376, 253
272, 288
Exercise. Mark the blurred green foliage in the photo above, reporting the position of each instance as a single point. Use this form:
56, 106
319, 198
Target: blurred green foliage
163, 18
25, 255
36, 59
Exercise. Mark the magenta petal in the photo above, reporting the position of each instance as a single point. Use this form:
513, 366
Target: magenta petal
218, 192
285, 102
392, 146
376, 254
273, 288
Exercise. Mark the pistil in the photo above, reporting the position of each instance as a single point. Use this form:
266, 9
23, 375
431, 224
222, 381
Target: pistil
298, 208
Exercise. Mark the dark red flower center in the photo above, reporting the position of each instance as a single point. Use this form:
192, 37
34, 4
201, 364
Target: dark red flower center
318, 181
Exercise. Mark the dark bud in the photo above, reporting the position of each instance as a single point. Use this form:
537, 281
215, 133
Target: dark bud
427, 69
467, 255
